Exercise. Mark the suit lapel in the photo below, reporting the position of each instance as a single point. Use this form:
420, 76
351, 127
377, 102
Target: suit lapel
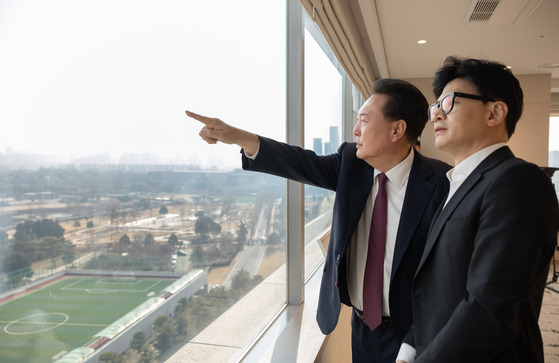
446, 212
443, 215
418, 194
360, 188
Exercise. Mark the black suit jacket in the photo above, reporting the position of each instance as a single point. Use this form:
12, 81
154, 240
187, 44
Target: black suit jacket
352, 179
479, 286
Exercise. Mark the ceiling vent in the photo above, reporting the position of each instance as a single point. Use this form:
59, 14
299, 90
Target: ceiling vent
499, 12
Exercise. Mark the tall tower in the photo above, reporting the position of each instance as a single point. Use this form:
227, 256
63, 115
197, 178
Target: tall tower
317, 145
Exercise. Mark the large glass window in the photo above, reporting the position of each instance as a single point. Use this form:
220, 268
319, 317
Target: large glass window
120, 229
323, 135
554, 149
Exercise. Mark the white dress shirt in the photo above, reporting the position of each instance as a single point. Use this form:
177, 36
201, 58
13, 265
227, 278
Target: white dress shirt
357, 250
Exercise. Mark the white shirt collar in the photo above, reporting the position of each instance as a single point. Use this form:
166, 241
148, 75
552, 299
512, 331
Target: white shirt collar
465, 168
401, 172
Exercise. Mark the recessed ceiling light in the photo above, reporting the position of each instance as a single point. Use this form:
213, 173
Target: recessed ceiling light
553, 65
422, 41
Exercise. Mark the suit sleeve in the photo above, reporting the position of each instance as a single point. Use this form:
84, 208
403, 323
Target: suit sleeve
511, 250
410, 337
296, 163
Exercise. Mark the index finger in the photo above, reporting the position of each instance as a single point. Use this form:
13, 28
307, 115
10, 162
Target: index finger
203, 119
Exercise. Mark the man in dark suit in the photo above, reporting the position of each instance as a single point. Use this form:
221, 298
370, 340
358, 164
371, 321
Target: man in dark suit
389, 122
478, 290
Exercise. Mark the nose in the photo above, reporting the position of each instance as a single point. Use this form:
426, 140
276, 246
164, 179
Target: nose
437, 114
356, 128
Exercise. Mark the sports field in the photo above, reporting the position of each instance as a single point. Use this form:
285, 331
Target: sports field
67, 314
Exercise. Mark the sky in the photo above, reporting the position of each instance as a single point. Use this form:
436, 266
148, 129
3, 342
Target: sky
114, 77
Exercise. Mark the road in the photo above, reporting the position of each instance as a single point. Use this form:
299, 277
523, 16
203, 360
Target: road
252, 254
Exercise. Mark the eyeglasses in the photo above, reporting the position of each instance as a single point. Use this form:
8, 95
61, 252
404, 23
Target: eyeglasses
447, 103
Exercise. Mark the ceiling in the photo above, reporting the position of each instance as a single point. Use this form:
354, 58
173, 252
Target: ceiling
395, 26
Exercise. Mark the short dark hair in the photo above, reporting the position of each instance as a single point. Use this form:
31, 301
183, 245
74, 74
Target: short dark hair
405, 102
491, 79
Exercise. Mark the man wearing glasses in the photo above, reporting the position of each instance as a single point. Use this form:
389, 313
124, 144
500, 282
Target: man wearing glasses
478, 289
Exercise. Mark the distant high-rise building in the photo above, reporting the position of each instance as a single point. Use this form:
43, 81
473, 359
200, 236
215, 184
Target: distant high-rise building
334, 137
317, 145
327, 149
332, 146
553, 159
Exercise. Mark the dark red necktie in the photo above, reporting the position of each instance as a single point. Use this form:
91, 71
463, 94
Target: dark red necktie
372, 283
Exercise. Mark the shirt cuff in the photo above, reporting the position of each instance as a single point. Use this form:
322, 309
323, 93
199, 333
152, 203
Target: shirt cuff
406, 353
253, 156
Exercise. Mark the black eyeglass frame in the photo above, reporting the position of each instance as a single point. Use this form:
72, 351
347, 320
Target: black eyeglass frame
454, 95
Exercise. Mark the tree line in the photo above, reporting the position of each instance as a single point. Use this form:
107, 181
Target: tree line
34, 241
190, 317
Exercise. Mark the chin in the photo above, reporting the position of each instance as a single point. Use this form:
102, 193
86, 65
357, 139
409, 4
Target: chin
439, 143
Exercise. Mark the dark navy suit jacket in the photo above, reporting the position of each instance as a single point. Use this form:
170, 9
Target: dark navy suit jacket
352, 179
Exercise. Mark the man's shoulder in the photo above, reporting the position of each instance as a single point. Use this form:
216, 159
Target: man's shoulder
503, 161
348, 148
519, 169
437, 166
348, 152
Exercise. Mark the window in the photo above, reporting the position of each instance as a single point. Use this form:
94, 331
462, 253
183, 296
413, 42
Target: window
554, 148
108, 198
323, 134
113, 212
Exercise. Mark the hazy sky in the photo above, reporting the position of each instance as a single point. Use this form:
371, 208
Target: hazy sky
112, 77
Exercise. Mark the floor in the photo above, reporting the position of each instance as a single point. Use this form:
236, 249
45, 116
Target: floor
549, 320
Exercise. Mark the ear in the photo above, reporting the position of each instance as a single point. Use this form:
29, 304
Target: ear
399, 130
499, 111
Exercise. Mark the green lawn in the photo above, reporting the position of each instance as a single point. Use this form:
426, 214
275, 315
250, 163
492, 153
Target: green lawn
67, 314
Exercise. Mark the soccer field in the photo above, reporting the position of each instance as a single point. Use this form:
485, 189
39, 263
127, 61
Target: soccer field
67, 314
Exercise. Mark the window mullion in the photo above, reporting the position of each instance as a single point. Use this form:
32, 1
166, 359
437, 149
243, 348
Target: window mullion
295, 136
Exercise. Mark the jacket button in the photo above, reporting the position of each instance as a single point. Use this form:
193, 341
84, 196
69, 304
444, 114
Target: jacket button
338, 258
336, 284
